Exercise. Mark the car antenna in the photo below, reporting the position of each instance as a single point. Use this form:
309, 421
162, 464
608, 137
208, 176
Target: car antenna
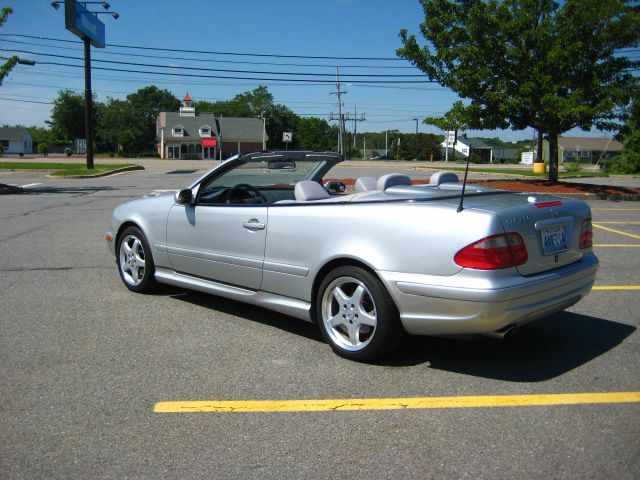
464, 184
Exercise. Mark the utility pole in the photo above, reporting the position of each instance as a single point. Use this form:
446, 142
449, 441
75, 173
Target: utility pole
343, 118
416, 138
339, 93
386, 143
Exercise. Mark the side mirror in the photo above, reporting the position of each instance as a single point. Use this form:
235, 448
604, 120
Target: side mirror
333, 186
184, 197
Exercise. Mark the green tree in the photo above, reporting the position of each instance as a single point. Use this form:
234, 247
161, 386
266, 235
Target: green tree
314, 134
531, 63
246, 104
281, 119
67, 116
145, 105
43, 135
11, 62
122, 127
629, 161
254, 103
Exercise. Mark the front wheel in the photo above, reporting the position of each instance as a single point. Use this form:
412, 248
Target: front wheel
135, 262
357, 315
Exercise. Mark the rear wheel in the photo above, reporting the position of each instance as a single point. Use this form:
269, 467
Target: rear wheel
356, 314
135, 262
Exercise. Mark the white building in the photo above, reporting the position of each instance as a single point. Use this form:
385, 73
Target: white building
15, 140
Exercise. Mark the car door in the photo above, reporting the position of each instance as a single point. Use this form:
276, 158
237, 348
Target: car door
220, 242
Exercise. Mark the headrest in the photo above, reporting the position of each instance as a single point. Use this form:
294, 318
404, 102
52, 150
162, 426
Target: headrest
443, 177
391, 180
307, 190
365, 184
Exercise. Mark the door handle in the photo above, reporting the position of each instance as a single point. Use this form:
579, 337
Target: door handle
254, 225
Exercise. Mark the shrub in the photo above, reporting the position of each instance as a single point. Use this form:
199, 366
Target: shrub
68, 152
624, 164
42, 149
629, 161
573, 167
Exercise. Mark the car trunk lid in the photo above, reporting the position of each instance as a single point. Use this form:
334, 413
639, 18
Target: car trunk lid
549, 225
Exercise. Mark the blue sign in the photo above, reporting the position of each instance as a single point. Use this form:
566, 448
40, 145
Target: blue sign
83, 23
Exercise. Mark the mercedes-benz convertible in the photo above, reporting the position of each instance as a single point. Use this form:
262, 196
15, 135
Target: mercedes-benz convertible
367, 264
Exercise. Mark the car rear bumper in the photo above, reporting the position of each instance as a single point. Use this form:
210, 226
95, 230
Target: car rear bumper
465, 304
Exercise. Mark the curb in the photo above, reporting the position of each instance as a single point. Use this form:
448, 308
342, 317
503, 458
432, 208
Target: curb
103, 174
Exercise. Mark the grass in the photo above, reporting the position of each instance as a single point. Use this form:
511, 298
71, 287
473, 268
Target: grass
63, 169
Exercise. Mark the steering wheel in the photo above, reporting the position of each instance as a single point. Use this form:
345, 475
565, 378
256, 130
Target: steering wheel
243, 191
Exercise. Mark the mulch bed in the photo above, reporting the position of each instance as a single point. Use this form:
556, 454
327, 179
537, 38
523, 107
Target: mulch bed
605, 192
609, 192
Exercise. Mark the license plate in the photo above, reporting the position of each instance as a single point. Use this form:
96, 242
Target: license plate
554, 240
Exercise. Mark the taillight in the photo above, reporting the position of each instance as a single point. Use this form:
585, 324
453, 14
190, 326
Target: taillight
586, 234
494, 252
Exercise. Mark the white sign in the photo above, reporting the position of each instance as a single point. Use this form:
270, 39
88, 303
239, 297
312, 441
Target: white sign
287, 136
449, 137
526, 158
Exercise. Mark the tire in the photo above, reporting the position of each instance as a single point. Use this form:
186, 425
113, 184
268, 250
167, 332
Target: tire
135, 262
356, 314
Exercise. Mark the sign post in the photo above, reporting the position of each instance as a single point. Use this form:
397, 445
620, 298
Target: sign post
85, 24
287, 138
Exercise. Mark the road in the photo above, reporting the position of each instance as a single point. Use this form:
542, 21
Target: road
83, 363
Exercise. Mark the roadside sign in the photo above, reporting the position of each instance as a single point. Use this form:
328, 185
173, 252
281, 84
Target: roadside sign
526, 158
450, 137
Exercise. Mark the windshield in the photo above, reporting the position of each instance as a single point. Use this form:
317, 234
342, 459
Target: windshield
269, 173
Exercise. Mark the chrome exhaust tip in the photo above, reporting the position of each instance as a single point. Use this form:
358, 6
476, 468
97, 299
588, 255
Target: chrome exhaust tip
504, 333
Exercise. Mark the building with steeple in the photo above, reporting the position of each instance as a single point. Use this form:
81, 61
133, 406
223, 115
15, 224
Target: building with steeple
188, 134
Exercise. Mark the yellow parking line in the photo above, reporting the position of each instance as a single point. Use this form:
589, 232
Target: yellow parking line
618, 223
248, 406
614, 245
616, 287
616, 231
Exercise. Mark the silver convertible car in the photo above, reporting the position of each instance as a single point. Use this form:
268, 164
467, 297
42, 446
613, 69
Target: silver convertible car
366, 266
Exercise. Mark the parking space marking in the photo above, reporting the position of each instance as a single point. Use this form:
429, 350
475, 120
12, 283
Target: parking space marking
618, 223
616, 287
616, 231
250, 406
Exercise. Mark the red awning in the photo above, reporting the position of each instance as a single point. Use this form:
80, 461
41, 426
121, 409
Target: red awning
209, 142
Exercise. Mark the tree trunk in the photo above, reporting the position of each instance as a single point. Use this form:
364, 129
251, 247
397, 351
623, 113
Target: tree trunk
539, 148
553, 157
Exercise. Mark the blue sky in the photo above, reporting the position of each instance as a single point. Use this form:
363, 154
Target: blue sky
338, 28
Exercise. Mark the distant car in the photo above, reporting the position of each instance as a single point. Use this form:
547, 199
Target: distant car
380, 157
366, 266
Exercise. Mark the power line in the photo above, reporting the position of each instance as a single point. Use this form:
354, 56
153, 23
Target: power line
211, 83
211, 60
297, 80
176, 67
240, 54
27, 101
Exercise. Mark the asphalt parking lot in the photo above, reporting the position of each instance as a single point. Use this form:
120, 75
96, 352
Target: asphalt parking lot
87, 369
